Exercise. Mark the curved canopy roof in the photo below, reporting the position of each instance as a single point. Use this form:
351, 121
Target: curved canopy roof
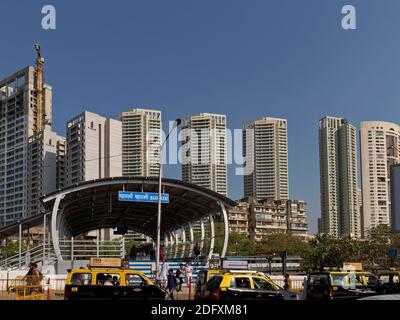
94, 204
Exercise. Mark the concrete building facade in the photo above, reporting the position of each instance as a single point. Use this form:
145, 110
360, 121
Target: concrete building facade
18, 121
265, 149
380, 145
94, 148
46, 172
258, 219
204, 151
141, 141
340, 210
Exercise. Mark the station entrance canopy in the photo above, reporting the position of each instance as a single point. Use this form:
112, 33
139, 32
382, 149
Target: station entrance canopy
94, 205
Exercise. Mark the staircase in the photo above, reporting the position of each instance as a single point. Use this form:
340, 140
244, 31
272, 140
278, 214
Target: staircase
34, 254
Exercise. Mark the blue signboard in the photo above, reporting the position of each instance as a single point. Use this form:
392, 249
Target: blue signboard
142, 196
392, 253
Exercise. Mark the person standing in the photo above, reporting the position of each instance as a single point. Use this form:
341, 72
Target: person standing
180, 274
189, 274
164, 274
133, 253
196, 251
287, 282
172, 283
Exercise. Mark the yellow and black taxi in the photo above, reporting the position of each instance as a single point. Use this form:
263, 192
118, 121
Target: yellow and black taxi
390, 278
343, 285
244, 285
110, 283
203, 276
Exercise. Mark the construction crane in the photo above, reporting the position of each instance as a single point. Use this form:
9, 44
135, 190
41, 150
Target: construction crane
40, 118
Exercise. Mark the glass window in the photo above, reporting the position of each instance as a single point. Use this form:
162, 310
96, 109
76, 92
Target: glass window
242, 282
339, 280
81, 279
213, 283
319, 279
262, 284
107, 279
134, 280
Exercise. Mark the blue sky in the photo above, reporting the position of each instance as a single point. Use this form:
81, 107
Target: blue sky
245, 59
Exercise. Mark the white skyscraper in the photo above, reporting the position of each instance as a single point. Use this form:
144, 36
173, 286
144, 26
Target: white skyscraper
18, 122
94, 148
340, 210
265, 149
204, 151
141, 138
380, 145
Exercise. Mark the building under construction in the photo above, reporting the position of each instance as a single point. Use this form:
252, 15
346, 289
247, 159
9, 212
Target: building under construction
25, 114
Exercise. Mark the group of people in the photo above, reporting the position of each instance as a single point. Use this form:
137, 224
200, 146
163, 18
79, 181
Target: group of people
173, 282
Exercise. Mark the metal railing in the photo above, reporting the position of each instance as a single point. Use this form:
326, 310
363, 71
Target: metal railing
50, 288
70, 250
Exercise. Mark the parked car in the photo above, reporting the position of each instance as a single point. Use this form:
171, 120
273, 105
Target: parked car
244, 285
117, 284
343, 285
391, 279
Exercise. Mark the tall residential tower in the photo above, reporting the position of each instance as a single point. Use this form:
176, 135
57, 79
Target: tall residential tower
265, 150
141, 138
340, 210
380, 145
204, 151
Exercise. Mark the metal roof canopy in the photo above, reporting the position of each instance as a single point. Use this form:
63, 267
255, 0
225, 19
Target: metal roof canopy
94, 205
27, 223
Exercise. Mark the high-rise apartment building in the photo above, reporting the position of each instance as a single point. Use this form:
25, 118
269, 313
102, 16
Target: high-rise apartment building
265, 150
46, 172
141, 140
94, 148
380, 145
340, 211
204, 151
18, 122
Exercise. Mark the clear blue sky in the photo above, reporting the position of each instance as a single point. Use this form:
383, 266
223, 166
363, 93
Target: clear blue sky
245, 59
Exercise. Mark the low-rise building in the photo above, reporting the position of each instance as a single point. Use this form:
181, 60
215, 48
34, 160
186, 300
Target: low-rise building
258, 219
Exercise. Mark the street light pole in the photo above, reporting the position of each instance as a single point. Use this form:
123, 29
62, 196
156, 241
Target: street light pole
176, 124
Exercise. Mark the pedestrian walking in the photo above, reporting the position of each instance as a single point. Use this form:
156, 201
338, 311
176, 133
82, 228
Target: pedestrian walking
172, 283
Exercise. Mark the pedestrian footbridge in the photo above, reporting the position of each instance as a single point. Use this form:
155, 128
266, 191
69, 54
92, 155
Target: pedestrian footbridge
189, 218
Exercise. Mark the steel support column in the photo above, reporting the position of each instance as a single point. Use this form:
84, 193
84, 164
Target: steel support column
191, 235
226, 230
212, 242
176, 245
183, 242
54, 227
20, 247
202, 235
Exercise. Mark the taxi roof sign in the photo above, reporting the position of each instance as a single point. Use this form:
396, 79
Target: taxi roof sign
350, 266
105, 262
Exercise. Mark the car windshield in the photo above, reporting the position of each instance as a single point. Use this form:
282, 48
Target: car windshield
213, 283
318, 279
262, 284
